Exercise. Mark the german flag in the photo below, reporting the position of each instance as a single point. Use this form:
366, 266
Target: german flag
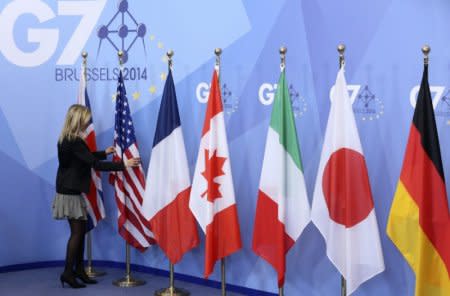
419, 223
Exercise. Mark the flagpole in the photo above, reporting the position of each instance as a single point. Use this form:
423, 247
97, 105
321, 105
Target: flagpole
283, 51
341, 50
127, 281
90, 271
218, 52
171, 290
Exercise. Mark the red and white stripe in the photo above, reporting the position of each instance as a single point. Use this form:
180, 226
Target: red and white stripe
129, 186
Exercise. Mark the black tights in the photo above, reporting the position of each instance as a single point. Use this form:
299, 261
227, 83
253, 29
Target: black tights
75, 246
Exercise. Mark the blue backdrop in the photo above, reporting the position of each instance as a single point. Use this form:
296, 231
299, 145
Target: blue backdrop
40, 47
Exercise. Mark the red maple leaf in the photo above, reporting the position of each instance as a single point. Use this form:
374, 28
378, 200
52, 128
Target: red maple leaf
213, 169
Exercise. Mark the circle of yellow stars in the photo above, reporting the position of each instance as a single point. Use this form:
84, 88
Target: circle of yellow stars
152, 89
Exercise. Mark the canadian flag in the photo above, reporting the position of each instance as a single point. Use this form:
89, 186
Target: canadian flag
342, 206
212, 195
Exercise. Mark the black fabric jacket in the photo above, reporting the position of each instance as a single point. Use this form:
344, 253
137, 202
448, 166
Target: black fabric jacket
75, 163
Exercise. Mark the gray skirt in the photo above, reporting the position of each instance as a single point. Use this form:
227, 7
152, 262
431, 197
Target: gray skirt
68, 206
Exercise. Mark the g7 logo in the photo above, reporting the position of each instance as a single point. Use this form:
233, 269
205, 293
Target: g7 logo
352, 88
266, 93
47, 39
202, 92
437, 90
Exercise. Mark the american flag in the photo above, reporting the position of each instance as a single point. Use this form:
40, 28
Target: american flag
129, 184
94, 198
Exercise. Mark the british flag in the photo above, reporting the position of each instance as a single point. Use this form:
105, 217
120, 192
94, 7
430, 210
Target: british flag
129, 184
94, 198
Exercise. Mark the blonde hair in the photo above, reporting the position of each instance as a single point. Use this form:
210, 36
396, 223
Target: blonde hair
76, 122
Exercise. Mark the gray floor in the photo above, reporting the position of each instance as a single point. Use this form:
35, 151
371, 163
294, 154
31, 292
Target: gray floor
45, 282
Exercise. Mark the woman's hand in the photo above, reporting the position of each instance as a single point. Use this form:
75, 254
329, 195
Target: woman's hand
110, 150
132, 162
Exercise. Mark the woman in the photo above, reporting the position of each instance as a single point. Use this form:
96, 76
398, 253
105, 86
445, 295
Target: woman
73, 179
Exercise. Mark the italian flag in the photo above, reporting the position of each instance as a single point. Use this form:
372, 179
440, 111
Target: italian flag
282, 210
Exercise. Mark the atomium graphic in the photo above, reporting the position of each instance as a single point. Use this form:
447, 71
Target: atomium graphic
367, 105
230, 101
123, 31
298, 102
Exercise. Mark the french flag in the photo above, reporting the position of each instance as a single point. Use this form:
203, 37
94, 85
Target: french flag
168, 186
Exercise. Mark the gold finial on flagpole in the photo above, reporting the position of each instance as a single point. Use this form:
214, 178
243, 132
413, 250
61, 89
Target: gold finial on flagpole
426, 51
84, 55
341, 50
283, 51
170, 54
218, 52
120, 55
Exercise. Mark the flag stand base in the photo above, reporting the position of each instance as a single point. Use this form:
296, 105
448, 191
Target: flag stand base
92, 273
172, 292
128, 281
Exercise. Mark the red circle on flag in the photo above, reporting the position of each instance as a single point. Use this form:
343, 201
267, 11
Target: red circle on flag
346, 188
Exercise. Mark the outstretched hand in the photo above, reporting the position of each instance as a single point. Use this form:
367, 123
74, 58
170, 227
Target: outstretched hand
133, 162
110, 150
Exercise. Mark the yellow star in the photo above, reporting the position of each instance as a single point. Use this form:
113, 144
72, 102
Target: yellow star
136, 95
114, 97
163, 76
164, 59
152, 37
152, 89
160, 44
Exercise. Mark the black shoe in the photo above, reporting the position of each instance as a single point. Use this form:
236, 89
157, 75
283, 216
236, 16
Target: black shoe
71, 281
84, 277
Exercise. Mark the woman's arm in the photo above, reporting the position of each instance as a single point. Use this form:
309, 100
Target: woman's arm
100, 155
103, 154
82, 152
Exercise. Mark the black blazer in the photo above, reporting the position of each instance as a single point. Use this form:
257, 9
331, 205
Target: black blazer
75, 163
